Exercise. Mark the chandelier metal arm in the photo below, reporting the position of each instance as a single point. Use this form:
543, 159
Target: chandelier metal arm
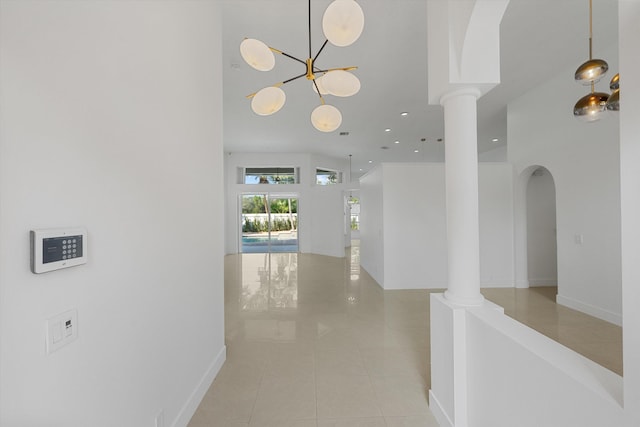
318, 54
251, 95
273, 49
294, 78
336, 69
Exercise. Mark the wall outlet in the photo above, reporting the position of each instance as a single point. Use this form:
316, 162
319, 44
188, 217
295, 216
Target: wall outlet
61, 330
160, 419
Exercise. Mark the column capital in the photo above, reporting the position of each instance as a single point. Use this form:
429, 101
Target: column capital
463, 91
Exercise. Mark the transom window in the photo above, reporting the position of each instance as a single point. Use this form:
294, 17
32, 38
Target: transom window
328, 176
270, 175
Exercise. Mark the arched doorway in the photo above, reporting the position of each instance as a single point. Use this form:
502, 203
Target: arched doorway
535, 228
542, 253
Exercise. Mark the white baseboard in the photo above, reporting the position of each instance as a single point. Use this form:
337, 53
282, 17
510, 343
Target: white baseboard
190, 407
436, 409
496, 283
591, 310
522, 283
543, 282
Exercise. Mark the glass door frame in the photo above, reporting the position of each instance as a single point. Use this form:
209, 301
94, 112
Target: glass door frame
269, 196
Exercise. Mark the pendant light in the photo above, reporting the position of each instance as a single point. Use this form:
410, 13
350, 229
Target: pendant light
342, 24
592, 70
591, 107
613, 103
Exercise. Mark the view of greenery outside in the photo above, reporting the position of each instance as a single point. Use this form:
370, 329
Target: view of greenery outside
354, 222
326, 177
354, 202
270, 176
262, 226
258, 205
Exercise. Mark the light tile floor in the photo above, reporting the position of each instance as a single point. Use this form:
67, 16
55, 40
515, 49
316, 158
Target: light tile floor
313, 341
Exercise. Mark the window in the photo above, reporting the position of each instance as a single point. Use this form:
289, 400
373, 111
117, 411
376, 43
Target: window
354, 205
270, 175
328, 177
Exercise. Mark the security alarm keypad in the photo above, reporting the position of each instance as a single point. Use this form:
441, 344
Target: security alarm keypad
60, 248
56, 248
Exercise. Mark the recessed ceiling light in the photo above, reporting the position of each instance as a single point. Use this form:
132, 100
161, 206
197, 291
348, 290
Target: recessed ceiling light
387, 130
397, 142
360, 170
404, 113
494, 140
416, 151
370, 161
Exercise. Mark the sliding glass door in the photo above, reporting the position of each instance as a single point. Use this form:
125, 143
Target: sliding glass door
269, 223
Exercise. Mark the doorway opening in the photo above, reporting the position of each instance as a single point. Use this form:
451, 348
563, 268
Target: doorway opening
269, 223
542, 252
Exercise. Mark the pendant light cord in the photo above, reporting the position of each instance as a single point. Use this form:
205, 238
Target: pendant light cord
590, 29
310, 28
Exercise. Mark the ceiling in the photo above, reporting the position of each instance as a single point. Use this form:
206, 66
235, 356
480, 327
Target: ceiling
539, 39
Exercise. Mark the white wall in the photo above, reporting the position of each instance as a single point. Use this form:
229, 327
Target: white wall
372, 244
415, 233
321, 208
498, 154
518, 377
541, 230
111, 119
408, 209
584, 160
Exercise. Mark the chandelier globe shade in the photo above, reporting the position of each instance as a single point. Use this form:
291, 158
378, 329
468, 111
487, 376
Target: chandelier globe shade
268, 101
343, 22
319, 81
613, 103
591, 107
615, 82
257, 54
326, 118
341, 83
591, 71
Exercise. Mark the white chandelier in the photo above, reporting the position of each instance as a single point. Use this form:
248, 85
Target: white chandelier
342, 24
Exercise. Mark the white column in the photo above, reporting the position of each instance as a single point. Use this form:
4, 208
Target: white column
461, 175
629, 33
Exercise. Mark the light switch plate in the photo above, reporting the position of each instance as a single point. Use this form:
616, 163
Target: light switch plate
61, 330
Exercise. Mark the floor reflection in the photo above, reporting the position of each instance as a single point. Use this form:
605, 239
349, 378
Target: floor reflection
269, 281
314, 341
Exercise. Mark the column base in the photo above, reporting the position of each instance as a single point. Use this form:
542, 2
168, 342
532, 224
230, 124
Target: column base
462, 300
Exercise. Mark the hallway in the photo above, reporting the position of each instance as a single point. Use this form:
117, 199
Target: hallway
314, 341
